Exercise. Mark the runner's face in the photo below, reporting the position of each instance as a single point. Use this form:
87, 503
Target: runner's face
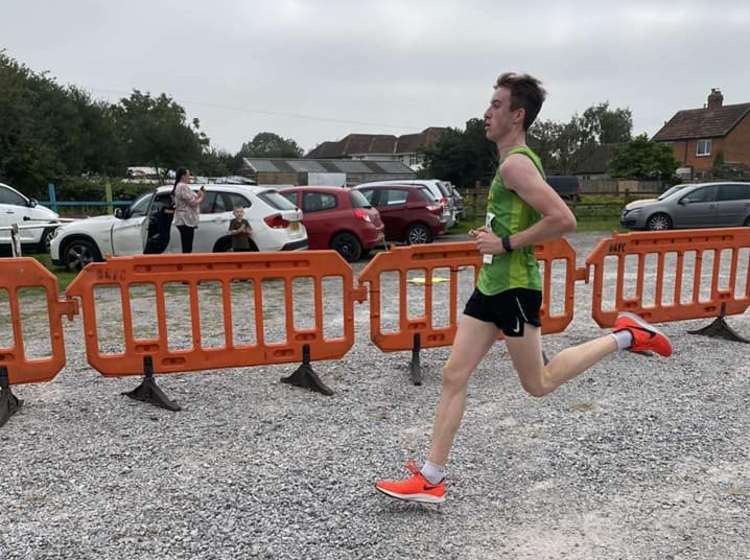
499, 120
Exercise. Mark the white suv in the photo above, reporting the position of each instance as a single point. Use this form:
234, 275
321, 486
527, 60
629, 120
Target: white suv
276, 223
15, 208
441, 192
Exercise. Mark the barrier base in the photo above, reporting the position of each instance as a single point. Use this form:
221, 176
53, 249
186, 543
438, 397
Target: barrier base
9, 403
721, 329
148, 391
304, 376
415, 368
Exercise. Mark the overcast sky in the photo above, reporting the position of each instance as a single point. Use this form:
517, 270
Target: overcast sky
316, 71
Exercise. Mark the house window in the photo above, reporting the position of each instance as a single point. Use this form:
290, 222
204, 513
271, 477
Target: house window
704, 148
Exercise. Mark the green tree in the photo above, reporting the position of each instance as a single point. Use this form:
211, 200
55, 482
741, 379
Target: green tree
462, 157
37, 122
216, 163
643, 159
564, 146
156, 132
269, 144
601, 125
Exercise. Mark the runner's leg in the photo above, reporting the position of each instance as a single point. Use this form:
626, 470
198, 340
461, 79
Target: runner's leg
474, 338
538, 380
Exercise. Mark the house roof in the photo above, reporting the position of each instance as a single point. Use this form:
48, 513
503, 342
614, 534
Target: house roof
703, 123
376, 144
281, 165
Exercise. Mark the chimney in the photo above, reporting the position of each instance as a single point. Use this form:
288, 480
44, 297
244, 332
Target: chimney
715, 98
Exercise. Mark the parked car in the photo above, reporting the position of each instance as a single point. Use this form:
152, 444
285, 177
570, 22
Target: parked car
338, 218
458, 202
440, 191
276, 223
567, 186
15, 208
409, 212
699, 205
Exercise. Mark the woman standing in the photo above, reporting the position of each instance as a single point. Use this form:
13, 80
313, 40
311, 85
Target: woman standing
187, 207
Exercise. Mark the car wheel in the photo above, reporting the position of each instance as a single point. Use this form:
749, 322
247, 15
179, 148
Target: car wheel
747, 222
348, 246
79, 253
418, 233
47, 236
659, 222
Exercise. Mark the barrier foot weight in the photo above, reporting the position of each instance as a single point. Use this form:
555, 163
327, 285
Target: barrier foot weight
9, 403
721, 329
415, 367
304, 376
148, 391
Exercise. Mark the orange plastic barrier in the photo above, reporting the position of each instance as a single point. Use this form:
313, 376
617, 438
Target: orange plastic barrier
191, 270
21, 273
454, 256
675, 247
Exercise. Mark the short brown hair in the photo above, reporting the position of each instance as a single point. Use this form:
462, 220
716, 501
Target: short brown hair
526, 92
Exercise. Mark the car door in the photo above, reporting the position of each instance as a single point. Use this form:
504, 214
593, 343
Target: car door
14, 209
213, 222
391, 204
316, 209
733, 204
696, 209
129, 233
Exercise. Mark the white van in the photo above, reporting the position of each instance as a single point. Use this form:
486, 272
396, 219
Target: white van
15, 208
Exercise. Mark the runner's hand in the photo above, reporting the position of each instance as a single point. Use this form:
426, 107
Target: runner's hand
474, 232
488, 243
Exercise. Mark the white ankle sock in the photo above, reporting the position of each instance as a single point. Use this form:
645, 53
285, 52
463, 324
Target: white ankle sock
432, 472
623, 338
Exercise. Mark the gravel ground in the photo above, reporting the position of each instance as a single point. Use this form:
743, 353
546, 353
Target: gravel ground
639, 458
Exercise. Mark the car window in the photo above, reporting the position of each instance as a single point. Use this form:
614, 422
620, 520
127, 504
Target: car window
444, 189
734, 192
367, 193
670, 191
139, 207
426, 194
207, 204
290, 196
393, 197
317, 201
230, 201
7, 196
276, 200
703, 194
359, 200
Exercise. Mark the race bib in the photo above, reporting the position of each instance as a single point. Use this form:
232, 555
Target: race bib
487, 259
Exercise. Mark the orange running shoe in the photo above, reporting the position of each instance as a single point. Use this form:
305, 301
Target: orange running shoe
414, 489
646, 338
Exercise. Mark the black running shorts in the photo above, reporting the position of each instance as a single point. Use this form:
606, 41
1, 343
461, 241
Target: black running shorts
509, 310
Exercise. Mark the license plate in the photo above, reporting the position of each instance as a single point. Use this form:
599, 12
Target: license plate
294, 226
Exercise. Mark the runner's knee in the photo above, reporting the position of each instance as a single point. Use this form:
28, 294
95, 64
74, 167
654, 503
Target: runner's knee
535, 385
454, 378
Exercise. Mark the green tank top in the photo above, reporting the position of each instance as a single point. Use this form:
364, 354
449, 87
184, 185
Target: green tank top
507, 213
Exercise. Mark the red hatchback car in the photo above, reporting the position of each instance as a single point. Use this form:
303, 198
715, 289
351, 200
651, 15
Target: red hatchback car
409, 212
337, 218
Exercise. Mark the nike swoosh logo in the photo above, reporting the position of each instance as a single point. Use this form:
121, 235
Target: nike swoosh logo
518, 327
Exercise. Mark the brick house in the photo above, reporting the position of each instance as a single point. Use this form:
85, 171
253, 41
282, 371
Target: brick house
379, 147
698, 136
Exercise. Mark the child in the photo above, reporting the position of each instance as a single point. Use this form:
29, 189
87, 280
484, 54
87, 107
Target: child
240, 230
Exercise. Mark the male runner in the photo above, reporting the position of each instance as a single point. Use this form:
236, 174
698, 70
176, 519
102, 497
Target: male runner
522, 210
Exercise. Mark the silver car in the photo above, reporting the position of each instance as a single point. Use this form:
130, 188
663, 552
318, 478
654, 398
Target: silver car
700, 205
